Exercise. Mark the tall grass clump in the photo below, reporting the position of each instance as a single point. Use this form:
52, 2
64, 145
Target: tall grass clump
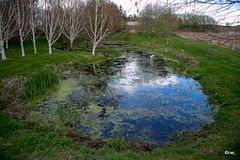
39, 83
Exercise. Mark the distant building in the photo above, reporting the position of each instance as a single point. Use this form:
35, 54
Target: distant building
133, 27
228, 24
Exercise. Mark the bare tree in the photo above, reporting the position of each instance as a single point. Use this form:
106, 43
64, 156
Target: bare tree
147, 19
51, 23
73, 19
166, 22
99, 22
7, 17
33, 21
9, 26
22, 21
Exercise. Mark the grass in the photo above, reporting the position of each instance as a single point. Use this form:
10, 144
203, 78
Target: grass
218, 72
18, 65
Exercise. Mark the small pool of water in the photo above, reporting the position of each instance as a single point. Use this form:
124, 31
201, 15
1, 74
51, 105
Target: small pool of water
135, 96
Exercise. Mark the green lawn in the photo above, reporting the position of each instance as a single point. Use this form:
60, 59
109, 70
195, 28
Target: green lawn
18, 65
218, 72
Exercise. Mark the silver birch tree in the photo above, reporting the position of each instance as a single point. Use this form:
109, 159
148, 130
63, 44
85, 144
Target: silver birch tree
99, 22
7, 23
51, 25
1, 36
33, 7
22, 21
73, 19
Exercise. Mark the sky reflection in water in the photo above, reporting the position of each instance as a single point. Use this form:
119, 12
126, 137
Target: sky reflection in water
135, 96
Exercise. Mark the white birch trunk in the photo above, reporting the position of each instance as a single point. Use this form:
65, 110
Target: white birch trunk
50, 47
1, 39
34, 41
2, 49
93, 51
21, 41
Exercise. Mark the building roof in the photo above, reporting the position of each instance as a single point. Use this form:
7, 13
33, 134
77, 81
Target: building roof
132, 23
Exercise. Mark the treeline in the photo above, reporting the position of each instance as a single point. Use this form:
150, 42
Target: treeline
93, 19
197, 23
163, 21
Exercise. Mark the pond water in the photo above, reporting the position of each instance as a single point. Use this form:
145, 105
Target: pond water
135, 96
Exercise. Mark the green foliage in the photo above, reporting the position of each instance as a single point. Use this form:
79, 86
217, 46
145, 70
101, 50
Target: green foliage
117, 143
3, 104
7, 125
66, 142
39, 83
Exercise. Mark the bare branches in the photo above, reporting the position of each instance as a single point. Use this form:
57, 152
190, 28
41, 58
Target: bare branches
7, 23
73, 19
51, 24
99, 23
22, 21
33, 20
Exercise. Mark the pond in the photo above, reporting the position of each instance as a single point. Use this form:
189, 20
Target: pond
134, 96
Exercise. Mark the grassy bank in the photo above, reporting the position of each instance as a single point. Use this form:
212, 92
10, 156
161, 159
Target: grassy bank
217, 70
18, 65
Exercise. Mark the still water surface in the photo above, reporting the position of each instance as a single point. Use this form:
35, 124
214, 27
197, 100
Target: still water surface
135, 96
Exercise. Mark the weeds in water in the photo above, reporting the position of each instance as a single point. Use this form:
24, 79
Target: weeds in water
70, 116
39, 83
60, 113
75, 116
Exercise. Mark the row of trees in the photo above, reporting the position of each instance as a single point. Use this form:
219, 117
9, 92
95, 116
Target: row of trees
24, 18
163, 21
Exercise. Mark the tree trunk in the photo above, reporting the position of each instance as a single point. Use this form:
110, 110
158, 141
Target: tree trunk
71, 44
93, 51
50, 47
21, 41
34, 41
2, 49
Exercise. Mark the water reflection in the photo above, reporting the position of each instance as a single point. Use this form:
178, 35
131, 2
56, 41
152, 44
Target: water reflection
135, 96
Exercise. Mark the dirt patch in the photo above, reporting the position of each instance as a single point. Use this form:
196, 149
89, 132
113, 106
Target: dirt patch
227, 40
189, 61
103, 144
91, 143
52, 53
6, 59
11, 90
